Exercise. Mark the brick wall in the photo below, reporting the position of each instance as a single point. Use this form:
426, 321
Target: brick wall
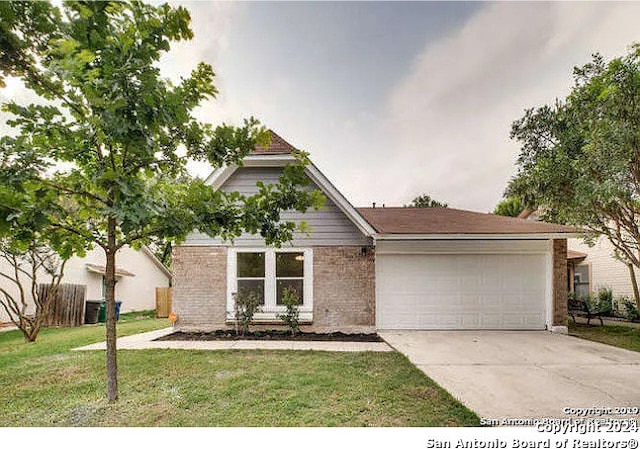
559, 282
200, 287
343, 289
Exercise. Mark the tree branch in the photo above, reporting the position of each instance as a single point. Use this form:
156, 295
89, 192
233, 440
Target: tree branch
73, 192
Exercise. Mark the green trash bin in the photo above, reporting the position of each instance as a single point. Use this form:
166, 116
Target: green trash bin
102, 312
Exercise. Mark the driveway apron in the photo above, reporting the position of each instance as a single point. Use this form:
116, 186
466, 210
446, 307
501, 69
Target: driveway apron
523, 374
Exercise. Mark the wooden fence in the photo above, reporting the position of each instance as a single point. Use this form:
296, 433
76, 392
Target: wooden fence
163, 302
67, 308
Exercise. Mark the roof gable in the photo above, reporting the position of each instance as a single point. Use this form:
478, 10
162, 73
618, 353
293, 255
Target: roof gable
279, 154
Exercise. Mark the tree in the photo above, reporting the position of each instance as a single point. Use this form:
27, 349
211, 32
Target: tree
580, 157
101, 159
425, 201
509, 207
23, 270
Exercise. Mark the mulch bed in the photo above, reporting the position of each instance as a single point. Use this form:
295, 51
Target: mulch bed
270, 335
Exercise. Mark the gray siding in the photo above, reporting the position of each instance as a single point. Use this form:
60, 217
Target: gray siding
329, 226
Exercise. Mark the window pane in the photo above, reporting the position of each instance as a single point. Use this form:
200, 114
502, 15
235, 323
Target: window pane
250, 286
250, 265
294, 285
581, 281
290, 265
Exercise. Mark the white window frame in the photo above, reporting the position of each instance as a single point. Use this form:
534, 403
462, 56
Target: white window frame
270, 309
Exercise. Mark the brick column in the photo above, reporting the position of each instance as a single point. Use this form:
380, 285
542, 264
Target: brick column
559, 276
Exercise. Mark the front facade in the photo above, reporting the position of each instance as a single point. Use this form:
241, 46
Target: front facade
331, 269
361, 270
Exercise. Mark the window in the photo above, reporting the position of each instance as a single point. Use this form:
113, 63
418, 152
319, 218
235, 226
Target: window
289, 275
267, 273
581, 285
250, 274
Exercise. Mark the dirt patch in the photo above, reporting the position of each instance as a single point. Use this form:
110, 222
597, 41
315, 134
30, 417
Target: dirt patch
273, 335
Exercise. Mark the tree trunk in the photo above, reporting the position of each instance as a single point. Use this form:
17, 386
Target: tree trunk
32, 335
29, 335
110, 298
634, 284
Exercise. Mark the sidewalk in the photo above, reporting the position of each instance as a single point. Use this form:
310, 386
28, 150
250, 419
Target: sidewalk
145, 341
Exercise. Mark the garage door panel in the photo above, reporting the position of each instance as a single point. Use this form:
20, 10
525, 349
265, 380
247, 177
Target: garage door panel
479, 291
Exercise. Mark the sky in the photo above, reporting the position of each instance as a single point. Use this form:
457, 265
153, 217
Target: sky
398, 99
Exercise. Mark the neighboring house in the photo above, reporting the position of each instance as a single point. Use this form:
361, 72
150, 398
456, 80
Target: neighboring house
367, 269
600, 269
591, 268
138, 273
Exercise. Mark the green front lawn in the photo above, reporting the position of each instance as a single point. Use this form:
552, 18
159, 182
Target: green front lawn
621, 336
45, 384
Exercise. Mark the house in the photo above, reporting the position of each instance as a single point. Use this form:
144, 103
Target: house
591, 268
600, 269
138, 273
367, 269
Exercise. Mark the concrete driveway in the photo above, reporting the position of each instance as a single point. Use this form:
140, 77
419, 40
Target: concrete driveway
523, 374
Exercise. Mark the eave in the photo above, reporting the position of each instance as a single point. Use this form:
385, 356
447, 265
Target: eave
525, 236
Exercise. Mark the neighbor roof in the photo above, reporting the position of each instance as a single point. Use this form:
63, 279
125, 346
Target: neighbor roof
439, 220
277, 146
576, 256
101, 269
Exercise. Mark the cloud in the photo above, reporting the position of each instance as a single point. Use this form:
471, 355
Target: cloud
450, 117
211, 23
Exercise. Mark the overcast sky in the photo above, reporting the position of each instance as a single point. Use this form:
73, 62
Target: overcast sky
397, 99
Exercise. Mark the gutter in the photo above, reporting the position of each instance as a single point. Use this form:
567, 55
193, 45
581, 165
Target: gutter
533, 236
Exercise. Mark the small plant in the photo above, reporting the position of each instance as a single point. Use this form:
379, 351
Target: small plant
245, 306
292, 316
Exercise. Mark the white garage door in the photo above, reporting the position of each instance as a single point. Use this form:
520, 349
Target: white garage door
460, 291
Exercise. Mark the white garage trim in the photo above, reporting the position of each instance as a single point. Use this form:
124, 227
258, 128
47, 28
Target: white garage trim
464, 247
464, 285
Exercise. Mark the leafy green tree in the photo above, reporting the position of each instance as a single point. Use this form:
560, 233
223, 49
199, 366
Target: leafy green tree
580, 156
425, 201
25, 31
101, 158
509, 207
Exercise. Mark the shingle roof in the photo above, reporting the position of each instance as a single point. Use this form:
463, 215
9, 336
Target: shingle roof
277, 146
576, 255
438, 220
101, 269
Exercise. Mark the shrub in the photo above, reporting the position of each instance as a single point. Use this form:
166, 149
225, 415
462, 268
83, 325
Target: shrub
605, 301
245, 306
292, 317
618, 307
631, 310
